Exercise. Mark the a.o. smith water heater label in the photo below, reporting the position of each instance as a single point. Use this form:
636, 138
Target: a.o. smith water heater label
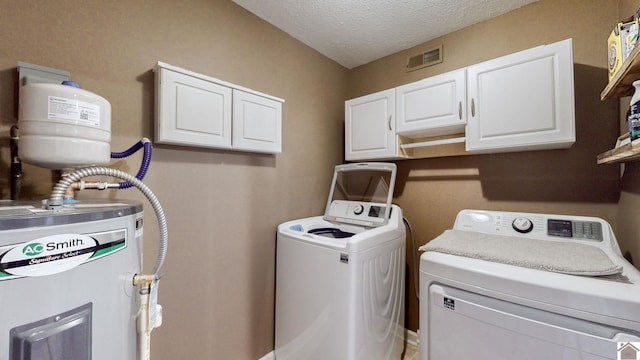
57, 253
75, 111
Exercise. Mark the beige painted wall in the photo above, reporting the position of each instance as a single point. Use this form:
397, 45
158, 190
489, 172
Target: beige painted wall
432, 191
222, 207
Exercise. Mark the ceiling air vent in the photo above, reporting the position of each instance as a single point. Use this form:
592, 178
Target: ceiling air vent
427, 58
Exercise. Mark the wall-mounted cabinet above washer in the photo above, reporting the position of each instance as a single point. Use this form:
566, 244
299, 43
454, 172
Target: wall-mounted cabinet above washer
370, 127
518, 102
433, 106
201, 111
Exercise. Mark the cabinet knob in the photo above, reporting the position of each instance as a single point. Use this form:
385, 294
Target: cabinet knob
390, 123
473, 107
460, 110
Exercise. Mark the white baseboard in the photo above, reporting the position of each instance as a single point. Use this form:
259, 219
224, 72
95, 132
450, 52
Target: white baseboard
411, 337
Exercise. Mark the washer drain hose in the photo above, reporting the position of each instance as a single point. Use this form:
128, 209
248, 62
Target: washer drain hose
57, 196
416, 285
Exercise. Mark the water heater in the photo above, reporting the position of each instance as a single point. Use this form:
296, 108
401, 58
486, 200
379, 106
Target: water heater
66, 281
71, 285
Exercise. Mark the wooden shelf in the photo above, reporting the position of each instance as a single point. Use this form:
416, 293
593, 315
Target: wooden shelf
427, 143
436, 146
627, 152
620, 85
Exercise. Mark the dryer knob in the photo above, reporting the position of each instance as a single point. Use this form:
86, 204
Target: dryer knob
522, 225
358, 209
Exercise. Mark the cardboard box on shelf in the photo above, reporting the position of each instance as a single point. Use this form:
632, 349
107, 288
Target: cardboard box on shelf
621, 41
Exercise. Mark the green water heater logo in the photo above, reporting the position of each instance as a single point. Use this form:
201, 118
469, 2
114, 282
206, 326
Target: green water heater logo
33, 249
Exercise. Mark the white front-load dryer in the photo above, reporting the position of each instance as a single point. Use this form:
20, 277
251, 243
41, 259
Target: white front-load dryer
340, 277
504, 285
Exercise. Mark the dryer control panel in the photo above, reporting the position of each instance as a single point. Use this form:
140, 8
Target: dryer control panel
540, 226
589, 230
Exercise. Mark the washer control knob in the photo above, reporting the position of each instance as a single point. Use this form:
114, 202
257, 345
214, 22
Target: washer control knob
358, 209
522, 225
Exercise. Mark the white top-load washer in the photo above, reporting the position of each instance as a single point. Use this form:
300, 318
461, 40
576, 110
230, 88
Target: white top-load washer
504, 285
340, 277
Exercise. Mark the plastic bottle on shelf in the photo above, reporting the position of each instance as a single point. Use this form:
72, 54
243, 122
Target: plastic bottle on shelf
634, 117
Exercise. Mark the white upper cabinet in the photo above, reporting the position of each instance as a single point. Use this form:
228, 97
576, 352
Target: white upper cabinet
432, 106
257, 123
192, 111
519, 102
522, 101
370, 127
198, 110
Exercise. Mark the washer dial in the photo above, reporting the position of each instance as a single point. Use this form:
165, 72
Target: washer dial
522, 225
358, 209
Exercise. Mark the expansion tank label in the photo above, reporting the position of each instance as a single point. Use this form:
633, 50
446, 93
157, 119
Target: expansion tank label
57, 253
75, 111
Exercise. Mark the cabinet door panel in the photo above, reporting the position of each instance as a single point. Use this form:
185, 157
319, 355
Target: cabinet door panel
192, 111
533, 113
432, 106
369, 126
522, 101
257, 123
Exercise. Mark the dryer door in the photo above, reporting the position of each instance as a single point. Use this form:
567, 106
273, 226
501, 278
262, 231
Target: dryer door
464, 325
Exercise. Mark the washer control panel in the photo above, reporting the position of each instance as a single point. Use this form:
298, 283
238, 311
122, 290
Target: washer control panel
533, 225
357, 212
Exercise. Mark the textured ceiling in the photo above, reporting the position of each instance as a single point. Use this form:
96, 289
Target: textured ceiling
356, 32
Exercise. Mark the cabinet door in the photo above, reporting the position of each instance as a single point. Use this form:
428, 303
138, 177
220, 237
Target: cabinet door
432, 106
257, 123
192, 111
522, 101
369, 123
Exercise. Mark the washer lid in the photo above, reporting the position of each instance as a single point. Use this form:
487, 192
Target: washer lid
361, 193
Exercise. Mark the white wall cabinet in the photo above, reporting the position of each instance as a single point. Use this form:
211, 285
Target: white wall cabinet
197, 110
257, 123
519, 102
370, 127
522, 101
192, 111
432, 106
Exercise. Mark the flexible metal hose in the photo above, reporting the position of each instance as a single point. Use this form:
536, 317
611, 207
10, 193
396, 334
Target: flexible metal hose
130, 151
146, 159
57, 195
